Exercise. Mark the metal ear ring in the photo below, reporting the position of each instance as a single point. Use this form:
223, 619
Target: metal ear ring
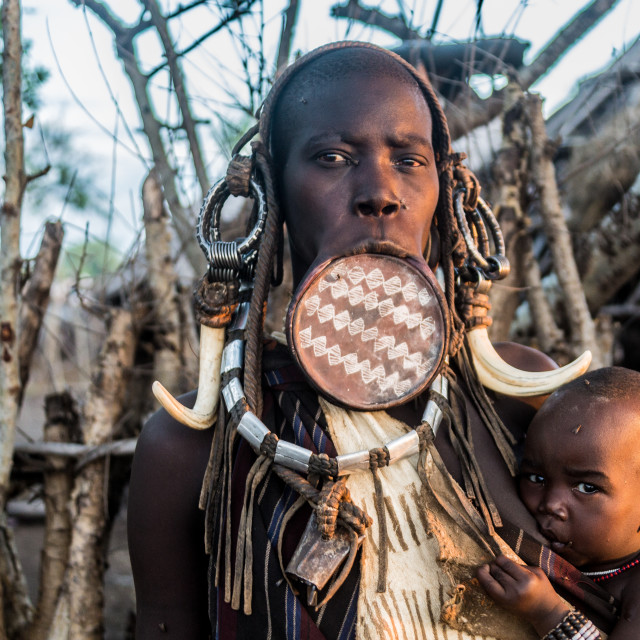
229, 262
483, 234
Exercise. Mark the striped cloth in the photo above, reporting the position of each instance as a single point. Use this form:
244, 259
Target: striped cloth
293, 412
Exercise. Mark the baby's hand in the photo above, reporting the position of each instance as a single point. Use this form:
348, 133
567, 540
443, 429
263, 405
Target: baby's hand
525, 591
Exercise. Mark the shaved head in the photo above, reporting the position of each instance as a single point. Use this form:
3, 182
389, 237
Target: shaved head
334, 65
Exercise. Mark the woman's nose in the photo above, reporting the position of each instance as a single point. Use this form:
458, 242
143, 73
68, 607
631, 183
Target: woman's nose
552, 504
376, 194
377, 205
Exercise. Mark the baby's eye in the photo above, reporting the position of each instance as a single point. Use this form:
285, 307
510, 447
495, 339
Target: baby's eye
587, 487
536, 478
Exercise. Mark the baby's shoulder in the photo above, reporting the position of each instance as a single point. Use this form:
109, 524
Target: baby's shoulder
630, 599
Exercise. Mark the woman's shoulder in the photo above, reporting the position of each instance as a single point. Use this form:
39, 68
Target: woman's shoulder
524, 357
170, 457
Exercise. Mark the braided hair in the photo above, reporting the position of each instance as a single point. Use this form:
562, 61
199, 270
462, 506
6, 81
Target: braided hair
325, 63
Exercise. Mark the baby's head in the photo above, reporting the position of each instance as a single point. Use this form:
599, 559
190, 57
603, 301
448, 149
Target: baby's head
580, 474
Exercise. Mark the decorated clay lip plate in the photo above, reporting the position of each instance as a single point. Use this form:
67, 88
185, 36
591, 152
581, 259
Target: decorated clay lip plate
368, 330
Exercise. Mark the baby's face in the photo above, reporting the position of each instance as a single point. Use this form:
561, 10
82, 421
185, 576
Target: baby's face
580, 478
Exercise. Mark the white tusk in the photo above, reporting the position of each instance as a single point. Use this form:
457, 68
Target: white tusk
203, 413
496, 374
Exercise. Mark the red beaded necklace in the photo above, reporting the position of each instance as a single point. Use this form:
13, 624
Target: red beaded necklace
601, 576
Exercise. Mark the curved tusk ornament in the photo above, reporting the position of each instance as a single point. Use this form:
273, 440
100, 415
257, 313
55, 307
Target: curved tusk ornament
203, 414
494, 373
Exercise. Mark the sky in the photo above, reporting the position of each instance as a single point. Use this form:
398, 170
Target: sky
86, 80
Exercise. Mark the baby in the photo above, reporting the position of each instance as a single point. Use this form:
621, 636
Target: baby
580, 479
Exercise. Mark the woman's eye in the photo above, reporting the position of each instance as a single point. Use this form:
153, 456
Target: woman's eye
586, 487
410, 162
333, 157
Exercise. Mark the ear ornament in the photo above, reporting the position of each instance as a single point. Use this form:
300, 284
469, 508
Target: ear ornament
481, 233
216, 298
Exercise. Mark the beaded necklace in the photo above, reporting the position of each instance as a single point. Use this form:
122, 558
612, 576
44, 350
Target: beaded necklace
601, 576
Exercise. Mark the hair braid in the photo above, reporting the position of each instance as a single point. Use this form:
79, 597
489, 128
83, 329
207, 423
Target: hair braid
264, 268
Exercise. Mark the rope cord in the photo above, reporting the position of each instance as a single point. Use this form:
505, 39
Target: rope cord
264, 266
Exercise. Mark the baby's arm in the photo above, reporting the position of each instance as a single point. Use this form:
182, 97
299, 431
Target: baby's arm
525, 591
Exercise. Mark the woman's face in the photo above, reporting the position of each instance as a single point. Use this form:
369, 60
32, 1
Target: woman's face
360, 169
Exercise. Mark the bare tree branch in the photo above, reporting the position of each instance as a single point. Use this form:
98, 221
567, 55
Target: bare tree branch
375, 18
602, 168
609, 255
237, 13
289, 19
125, 49
35, 297
468, 111
564, 39
177, 78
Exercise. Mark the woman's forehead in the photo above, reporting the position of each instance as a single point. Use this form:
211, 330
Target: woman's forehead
336, 71
354, 105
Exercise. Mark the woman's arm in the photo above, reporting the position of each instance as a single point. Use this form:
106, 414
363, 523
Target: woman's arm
166, 530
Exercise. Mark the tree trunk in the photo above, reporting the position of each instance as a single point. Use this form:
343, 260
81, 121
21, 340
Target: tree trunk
583, 333
15, 608
509, 171
79, 613
35, 297
173, 363
62, 426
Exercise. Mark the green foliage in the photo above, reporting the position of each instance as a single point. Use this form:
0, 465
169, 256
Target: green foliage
33, 77
69, 179
89, 260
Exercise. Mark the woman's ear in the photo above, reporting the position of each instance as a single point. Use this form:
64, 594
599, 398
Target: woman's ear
432, 251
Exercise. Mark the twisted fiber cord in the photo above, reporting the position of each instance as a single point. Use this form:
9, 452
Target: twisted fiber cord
463, 443
502, 437
257, 310
350, 516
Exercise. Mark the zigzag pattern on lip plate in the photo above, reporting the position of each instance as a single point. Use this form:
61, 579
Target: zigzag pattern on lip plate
414, 361
354, 288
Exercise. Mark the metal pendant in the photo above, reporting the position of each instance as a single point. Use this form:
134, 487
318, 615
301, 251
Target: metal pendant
316, 560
